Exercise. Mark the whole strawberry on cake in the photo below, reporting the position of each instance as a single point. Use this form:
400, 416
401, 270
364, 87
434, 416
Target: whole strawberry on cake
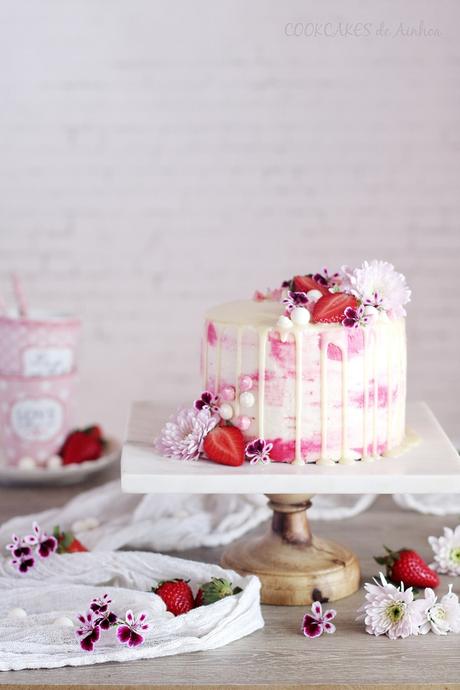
313, 371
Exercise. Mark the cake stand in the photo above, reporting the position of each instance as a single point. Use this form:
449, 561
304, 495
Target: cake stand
294, 566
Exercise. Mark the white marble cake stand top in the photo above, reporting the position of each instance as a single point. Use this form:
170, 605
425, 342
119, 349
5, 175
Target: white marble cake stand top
431, 466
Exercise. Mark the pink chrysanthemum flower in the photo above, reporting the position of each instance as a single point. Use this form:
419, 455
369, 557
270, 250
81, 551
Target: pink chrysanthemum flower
317, 622
390, 610
377, 284
441, 617
446, 549
183, 435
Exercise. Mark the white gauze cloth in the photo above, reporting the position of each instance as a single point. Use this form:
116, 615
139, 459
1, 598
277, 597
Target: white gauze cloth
171, 522
64, 586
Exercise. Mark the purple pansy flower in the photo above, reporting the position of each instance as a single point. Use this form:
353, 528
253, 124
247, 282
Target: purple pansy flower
355, 317
18, 547
89, 632
100, 604
46, 544
327, 280
376, 300
106, 620
129, 632
22, 559
295, 299
259, 449
23, 563
207, 401
100, 607
317, 622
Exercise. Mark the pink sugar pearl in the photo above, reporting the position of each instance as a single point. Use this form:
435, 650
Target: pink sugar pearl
245, 383
228, 393
242, 422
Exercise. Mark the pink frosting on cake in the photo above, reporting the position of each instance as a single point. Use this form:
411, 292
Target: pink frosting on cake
329, 394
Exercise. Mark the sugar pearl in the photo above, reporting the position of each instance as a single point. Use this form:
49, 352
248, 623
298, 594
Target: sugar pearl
245, 383
228, 393
242, 422
226, 411
247, 399
314, 295
300, 316
54, 462
63, 622
284, 323
17, 613
26, 463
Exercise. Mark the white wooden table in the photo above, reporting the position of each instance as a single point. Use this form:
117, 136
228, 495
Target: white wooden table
279, 656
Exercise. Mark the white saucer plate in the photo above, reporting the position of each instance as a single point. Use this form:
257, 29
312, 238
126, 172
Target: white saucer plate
67, 474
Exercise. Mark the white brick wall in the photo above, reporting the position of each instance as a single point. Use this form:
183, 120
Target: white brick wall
159, 157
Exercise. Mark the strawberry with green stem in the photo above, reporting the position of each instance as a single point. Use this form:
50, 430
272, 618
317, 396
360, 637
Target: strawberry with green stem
214, 590
67, 542
408, 567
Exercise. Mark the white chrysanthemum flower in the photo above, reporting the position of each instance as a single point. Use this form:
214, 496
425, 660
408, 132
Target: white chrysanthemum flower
377, 284
390, 610
182, 437
447, 551
441, 617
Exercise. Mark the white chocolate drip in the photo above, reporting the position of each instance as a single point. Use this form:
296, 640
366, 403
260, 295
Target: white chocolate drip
204, 356
298, 335
236, 404
376, 397
324, 344
345, 458
262, 356
218, 359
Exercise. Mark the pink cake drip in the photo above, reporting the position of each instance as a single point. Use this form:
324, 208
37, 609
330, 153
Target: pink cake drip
212, 334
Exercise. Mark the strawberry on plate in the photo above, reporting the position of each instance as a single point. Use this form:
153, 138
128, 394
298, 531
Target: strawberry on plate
330, 308
407, 566
225, 445
306, 283
67, 542
82, 445
177, 595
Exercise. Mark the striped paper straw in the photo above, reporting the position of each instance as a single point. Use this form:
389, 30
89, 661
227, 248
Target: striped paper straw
19, 295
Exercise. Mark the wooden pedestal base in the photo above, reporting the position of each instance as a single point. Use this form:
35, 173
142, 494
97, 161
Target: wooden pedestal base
294, 567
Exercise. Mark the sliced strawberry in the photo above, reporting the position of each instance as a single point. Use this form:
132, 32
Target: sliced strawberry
225, 445
330, 308
306, 283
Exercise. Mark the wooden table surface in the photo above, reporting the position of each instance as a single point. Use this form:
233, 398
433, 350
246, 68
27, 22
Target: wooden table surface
279, 656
